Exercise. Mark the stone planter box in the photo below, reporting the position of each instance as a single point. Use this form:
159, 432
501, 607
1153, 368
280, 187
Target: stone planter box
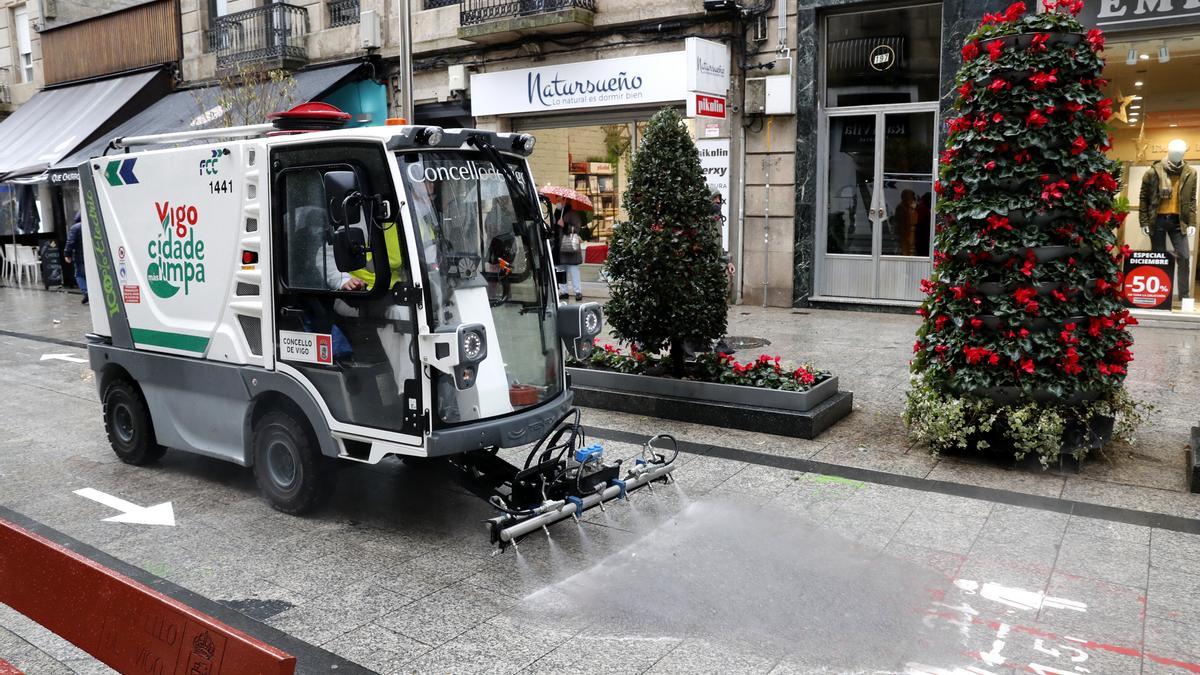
803, 414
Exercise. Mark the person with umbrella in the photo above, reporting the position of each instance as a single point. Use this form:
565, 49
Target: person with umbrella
567, 247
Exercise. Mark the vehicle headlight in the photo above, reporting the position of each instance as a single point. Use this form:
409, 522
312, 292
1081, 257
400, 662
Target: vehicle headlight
592, 322
472, 345
524, 144
429, 135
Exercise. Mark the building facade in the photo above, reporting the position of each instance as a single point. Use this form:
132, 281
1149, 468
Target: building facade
818, 121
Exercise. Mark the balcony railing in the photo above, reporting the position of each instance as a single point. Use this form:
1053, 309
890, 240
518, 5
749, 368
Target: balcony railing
272, 36
473, 12
343, 13
434, 4
5, 80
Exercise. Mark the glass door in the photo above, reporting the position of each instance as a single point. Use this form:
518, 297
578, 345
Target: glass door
877, 202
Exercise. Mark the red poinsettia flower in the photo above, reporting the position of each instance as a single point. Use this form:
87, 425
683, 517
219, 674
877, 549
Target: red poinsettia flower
1026, 366
981, 124
1079, 145
1014, 11
977, 354
1095, 38
940, 322
1040, 81
1036, 119
990, 165
1022, 156
970, 50
1072, 6
1039, 42
1055, 190
995, 50
957, 124
999, 84
1070, 362
998, 222
966, 91
976, 323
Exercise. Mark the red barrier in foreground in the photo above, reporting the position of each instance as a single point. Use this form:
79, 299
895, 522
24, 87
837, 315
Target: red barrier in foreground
128, 626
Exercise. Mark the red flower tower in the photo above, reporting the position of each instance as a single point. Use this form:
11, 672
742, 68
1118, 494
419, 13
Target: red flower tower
1024, 339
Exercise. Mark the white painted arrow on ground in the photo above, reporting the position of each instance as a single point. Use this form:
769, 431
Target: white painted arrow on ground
159, 514
62, 357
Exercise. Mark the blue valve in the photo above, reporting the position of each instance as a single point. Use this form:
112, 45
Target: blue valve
623, 494
593, 451
578, 505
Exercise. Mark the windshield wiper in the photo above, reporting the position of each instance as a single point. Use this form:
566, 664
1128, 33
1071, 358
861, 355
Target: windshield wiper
532, 213
506, 172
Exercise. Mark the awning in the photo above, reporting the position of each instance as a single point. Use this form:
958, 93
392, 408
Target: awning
182, 111
55, 122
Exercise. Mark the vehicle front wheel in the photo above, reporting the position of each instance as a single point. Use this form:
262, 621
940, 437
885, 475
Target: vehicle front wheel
127, 422
289, 467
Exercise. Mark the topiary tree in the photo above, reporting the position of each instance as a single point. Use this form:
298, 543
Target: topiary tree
1024, 338
665, 265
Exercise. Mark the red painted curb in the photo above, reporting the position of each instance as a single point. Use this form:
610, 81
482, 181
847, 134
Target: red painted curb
7, 668
126, 625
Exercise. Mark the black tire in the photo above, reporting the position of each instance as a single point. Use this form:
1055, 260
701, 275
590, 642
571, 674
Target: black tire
128, 425
291, 471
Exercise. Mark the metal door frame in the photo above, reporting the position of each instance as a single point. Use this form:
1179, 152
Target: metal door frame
822, 256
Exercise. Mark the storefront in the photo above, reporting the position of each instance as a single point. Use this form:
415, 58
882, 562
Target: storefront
877, 133
588, 118
1153, 52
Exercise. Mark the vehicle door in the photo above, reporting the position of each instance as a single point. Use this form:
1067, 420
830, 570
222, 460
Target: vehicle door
345, 304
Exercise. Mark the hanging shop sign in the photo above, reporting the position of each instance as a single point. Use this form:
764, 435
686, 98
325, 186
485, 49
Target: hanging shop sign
707, 66
714, 164
631, 80
1147, 279
1123, 15
705, 105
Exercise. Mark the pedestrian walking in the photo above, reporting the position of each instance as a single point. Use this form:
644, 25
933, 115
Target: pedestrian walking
74, 254
568, 246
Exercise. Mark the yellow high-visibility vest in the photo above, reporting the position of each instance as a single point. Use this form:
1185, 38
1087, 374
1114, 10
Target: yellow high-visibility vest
395, 254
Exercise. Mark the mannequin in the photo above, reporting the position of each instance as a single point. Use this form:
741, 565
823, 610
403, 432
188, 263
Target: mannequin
1168, 209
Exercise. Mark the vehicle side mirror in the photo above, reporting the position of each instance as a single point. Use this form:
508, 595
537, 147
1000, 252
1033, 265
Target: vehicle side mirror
342, 195
349, 249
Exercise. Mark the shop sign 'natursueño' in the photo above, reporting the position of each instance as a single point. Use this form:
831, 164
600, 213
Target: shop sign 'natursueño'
633, 80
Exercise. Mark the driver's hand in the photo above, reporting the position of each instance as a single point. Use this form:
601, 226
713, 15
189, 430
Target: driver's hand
354, 284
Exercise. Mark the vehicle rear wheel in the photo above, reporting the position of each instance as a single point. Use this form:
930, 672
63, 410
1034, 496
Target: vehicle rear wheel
289, 467
127, 422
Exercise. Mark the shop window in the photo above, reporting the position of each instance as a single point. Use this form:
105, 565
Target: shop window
1156, 106
883, 56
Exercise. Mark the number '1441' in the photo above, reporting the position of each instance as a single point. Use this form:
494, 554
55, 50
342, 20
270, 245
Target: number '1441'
218, 187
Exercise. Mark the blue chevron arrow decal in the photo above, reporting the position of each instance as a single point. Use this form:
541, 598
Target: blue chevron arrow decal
126, 171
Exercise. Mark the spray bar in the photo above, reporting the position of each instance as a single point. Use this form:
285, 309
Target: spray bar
552, 512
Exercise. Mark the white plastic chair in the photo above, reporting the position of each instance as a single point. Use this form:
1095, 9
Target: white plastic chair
28, 265
10, 262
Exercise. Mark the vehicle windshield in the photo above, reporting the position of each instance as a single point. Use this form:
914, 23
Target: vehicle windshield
485, 263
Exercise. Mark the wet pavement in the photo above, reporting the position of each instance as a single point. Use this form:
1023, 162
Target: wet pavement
882, 562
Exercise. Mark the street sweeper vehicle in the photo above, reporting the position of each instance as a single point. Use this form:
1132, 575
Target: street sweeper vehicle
288, 295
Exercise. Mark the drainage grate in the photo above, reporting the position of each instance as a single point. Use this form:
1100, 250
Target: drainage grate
745, 342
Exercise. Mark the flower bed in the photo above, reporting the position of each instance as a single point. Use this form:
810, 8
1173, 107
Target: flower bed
765, 372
